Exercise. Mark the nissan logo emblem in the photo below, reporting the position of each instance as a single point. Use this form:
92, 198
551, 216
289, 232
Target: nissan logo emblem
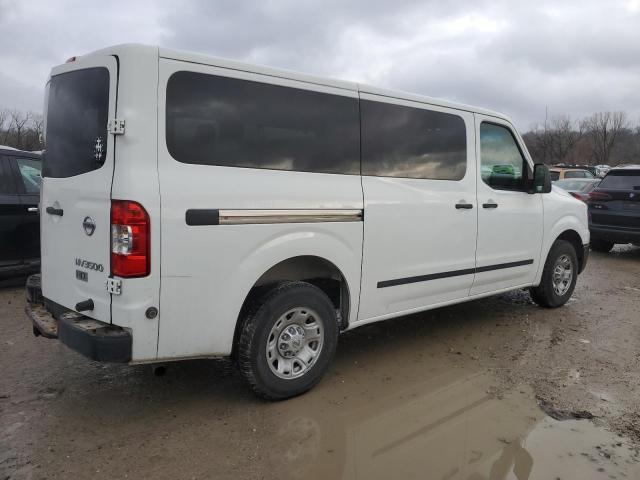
89, 225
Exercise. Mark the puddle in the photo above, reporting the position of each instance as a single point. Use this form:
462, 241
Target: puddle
450, 427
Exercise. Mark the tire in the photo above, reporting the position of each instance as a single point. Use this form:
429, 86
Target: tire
283, 329
603, 246
546, 294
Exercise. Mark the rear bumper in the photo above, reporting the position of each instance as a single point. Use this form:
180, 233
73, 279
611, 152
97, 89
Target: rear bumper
615, 234
96, 340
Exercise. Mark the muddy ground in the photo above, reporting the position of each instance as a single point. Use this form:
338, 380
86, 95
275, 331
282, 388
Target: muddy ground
452, 393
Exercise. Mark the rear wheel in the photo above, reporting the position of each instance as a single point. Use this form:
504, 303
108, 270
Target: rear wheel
603, 246
558, 277
288, 340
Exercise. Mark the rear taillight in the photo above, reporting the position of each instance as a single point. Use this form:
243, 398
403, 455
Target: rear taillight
580, 196
599, 197
130, 239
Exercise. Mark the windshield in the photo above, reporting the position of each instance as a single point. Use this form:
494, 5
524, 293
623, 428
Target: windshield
77, 112
622, 180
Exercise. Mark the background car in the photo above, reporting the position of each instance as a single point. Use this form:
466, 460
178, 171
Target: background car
560, 173
578, 187
614, 209
19, 219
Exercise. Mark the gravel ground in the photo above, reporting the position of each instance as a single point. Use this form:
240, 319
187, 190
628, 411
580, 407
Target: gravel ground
455, 392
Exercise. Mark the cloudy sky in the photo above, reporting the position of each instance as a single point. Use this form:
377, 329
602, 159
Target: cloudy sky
574, 56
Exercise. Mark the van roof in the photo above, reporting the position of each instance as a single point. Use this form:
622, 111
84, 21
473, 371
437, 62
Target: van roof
139, 49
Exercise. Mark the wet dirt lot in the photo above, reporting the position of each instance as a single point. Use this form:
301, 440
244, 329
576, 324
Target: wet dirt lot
453, 393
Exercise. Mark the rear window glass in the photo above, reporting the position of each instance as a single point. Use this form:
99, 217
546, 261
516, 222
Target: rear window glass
555, 175
77, 112
223, 121
408, 142
621, 180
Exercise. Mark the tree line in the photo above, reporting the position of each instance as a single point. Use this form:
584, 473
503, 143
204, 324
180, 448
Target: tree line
604, 138
21, 130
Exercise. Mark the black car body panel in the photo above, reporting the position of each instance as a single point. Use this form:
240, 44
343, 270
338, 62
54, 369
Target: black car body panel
614, 207
19, 219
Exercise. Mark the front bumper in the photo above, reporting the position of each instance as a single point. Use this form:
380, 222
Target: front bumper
99, 341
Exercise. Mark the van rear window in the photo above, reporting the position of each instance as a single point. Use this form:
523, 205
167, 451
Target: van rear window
76, 126
213, 120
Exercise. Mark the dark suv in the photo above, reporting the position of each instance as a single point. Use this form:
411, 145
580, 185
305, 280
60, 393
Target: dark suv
614, 209
19, 219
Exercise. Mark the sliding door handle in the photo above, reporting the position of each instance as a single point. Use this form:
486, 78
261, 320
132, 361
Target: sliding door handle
466, 206
489, 205
54, 211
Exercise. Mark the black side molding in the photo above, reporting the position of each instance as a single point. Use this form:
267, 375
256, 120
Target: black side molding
202, 216
452, 273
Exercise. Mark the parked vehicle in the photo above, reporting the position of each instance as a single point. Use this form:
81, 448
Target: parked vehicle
227, 209
578, 187
614, 209
558, 173
19, 222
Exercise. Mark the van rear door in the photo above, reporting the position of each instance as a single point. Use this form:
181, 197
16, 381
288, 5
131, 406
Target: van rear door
76, 189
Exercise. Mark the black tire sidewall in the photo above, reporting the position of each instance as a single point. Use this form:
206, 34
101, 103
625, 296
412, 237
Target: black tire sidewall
300, 295
559, 249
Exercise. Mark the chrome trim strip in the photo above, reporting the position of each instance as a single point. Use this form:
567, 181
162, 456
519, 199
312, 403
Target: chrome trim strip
243, 217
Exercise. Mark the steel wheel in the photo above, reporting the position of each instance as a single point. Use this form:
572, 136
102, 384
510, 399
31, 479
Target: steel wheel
294, 343
562, 275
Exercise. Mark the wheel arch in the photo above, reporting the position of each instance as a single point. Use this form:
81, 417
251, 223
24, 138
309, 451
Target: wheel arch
314, 269
570, 229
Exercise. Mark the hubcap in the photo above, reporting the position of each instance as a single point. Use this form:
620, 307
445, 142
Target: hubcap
562, 275
294, 343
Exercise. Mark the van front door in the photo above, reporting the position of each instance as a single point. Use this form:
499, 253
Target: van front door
510, 220
420, 219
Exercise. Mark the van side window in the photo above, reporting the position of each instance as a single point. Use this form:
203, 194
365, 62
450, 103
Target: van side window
502, 165
213, 120
399, 141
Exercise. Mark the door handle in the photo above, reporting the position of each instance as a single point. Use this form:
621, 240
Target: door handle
33, 209
466, 206
489, 205
54, 211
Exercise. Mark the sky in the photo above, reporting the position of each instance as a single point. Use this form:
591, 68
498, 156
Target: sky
571, 57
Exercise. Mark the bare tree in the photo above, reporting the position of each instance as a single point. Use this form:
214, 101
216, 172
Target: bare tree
563, 134
18, 125
604, 128
538, 142
4, 128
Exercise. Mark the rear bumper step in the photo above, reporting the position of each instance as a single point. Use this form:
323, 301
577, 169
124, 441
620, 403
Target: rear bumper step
96, 340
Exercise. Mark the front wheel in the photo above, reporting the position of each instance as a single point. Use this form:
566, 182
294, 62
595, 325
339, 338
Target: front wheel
288, 340
558, 277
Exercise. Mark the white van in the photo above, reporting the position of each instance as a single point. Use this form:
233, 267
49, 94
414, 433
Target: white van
194, 207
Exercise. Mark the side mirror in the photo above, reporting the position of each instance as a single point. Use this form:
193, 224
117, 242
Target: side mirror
541, 179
